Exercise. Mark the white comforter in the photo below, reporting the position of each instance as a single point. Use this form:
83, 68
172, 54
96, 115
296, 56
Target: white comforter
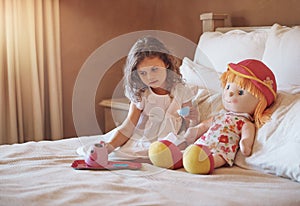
40, 173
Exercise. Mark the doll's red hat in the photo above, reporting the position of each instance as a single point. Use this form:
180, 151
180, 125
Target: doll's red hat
259, 74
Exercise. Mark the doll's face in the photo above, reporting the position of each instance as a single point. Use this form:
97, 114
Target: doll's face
235, 99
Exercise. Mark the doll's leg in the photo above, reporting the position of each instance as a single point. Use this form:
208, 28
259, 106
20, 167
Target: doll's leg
218, 161
165, 154
197, 159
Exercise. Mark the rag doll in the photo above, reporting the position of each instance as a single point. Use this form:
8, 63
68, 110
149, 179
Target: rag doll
249, 88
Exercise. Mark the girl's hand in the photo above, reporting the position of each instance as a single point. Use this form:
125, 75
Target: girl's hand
193, 116
109, 147
184, 111
190, 114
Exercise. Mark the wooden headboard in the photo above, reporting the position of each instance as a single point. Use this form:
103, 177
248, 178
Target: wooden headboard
216, 22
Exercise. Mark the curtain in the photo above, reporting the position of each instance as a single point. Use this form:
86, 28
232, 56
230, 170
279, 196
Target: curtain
30, 71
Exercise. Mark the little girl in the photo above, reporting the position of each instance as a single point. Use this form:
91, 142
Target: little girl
154, 86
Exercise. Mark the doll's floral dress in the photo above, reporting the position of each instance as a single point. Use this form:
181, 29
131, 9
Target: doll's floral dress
224, 135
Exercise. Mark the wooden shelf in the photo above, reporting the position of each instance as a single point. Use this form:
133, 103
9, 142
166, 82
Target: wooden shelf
119, 103
115, 112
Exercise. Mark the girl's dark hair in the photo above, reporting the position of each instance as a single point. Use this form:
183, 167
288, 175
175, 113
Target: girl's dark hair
148, 47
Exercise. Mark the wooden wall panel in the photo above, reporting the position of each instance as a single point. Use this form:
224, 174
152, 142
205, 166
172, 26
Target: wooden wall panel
87, 24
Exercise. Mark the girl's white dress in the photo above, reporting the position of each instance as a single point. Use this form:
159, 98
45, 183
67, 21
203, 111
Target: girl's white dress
159, 117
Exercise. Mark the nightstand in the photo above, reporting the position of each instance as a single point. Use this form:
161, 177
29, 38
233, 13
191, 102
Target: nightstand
115, 112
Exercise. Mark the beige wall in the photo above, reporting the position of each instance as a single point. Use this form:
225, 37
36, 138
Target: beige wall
88, 24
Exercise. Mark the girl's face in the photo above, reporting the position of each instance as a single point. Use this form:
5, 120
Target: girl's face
153, 73
238, 100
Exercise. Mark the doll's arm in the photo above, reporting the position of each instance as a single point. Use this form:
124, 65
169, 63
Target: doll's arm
193, 133
247, 138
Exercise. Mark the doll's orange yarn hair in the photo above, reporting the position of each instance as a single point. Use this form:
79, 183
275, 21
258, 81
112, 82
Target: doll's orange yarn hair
261, 114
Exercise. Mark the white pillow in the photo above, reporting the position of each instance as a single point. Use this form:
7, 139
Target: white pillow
209, 103
217, 49
197, 74
282, 54
276, 149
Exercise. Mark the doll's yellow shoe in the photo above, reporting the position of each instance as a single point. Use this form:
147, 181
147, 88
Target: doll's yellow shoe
165, 154
197, 159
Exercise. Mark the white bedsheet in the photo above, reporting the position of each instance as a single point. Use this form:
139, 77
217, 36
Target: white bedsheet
40, 173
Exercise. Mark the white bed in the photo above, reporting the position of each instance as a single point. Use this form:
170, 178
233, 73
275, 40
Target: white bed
40, 173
